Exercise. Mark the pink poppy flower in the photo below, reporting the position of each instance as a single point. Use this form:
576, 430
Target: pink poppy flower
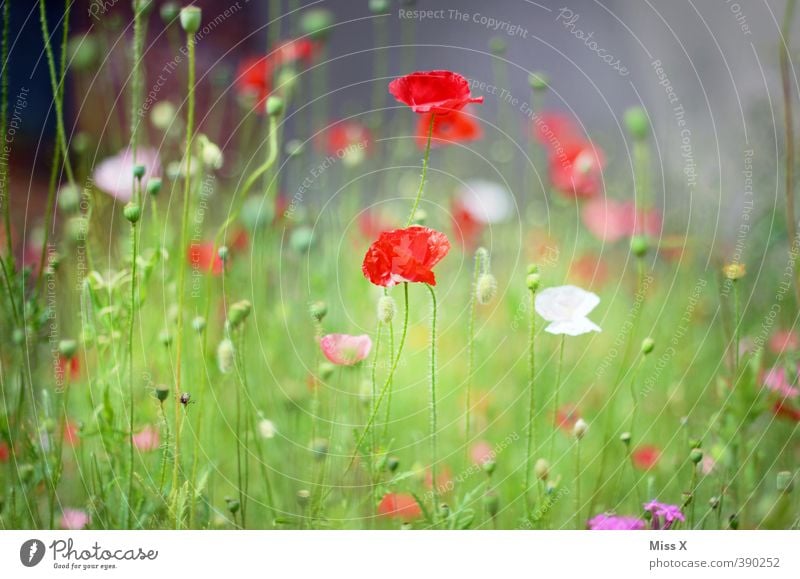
777, 380
114, 175
74, 519
481, 452
784, 341
345, 350
708, 464
146, 440
70, 432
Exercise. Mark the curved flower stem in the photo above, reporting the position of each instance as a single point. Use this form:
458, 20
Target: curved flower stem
693, 491
374, 410
577, 483
388, 412
434, 449
531, 402
424, 172
555, 399
190, 41
470, 356
386, 383
635, 400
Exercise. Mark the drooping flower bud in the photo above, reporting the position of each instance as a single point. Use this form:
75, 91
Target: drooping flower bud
302, 497
625, 438
318, 311
580, 428
541, 469
199, 324
647, 345
238, 312
68, 348
138, 171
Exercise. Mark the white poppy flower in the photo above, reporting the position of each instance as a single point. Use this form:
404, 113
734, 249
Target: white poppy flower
566, 308
485, 201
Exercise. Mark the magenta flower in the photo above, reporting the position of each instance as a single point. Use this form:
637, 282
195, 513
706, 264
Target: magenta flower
114, 175
605, 522
74, 519
663, 515
777, 380
146, 440
345, 350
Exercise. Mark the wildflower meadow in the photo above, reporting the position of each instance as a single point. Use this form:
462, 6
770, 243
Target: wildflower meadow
370, 265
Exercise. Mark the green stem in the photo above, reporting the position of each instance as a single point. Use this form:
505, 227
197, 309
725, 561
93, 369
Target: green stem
424, 172
190, 41
433, 426
470, 356
577, 484
374, 408
531, 401
5, 190
555, 399
131, 328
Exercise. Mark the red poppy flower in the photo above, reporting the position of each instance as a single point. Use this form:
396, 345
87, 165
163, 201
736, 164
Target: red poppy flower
68, 368
646, 457
589, 270
4, 452
203, 258
70, 433
783, 409
405, 255
444, 480
467, 229
254, 75
346, 139
458, 127
435, 91
399, 506
566, 416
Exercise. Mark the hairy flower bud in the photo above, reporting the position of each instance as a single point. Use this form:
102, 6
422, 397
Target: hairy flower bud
318, 311
238, 312
226, 356
486, 288
386, 309
68, 348
580, 428
541, 469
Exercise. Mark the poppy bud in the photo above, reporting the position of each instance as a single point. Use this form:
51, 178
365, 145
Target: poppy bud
302, 497
191, 16
492, 503
580, 428
143, 6
226, 356
639, 245
444, 510
532, 281
392, 463
695, 443
486, 288
161, 393
318, 311
199, 324
132, 212
238, 312
82, 52
696, 455
163, 115
533, 268
625, 438
274, 106
211, 154
733, 522
320, 447
69, 198
153, 186
785, 481
489, 467
316, 23
538, 81
326, 370
497, 45
734, 271
386, 309
138, 171
379, 6
233, 505
169, 11
68, 348
647, 345
637, 123
302, 239
541, 469
713, 502
223, 252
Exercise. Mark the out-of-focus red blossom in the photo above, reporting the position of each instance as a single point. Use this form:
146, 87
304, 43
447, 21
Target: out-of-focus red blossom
589, 270
68, 368
254, 75
566, 416
466, 228
458, 127
646, 457
371, 224
70, 433
399, 506
784, 341
147, 439
4, 451
405, 255
444, 479
345, 136
434, 91
481, 452
575, 164
785, 410
240, 240
203, 258
610, 220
